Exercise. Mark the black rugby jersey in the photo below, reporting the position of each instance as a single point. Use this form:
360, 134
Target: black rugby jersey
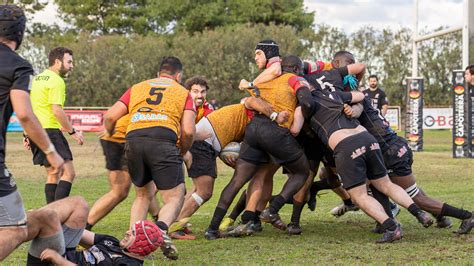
106, 251
376, 124
332, 80
15, 73
328, 116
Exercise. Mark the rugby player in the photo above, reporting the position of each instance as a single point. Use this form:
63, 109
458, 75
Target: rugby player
119, 178
357, 153
66, 219
258, 149
203, 168
15, 78
48, 94
141, 240
218, 129
161, 112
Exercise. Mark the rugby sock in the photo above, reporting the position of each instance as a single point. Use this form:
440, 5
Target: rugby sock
89, 226
348, 202
449, 210
257, 216
219, 214
276, 204
63, 190
297, 209
389, 224
248, 216
383, 200
50, 191
414, 209
162, 225
320, 185
239, 207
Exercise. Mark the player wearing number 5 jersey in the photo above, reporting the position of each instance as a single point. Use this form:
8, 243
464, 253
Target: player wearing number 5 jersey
161, 112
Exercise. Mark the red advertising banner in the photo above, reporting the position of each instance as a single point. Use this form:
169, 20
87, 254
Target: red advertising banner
86, 120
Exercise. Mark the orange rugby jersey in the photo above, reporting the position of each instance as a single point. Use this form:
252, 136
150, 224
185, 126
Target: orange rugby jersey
279, 94
203, 111
158, 102
229, 123
120, 130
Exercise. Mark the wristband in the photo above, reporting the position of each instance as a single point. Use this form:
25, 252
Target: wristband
50, 149
72, 132
273, 116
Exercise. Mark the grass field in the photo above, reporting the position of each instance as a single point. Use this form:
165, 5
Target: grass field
325, 239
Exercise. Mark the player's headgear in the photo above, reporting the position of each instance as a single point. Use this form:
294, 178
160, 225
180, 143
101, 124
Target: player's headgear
12, 23
292, 64
269, 47
148, 238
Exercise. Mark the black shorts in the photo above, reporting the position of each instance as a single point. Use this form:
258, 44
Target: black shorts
157, 160
114, 153
204, 160
398, 158
359, 158
266, 142
328, 157
312, 146
59, 142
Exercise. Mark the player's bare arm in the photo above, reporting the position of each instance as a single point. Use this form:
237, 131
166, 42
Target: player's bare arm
188, 130
261, 106
298, 122
357, 69
115, 112
62, 119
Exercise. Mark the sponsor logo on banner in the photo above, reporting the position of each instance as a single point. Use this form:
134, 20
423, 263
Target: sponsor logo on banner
393, 117
86, 120
414, 121
437, 118
460, 116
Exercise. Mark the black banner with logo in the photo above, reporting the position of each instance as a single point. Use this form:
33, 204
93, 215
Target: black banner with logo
414, 114
461, 139
470, 106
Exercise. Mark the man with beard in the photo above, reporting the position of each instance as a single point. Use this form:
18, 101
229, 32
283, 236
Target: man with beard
377, 96
48, 94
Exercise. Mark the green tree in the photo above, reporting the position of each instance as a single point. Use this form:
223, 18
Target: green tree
159, 16
110, 16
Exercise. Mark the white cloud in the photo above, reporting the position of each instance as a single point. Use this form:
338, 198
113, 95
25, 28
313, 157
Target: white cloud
351, 15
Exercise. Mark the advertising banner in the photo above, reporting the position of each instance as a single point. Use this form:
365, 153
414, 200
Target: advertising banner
437, 118
393, 117
82, 120
414, 114
461, 147
86, 120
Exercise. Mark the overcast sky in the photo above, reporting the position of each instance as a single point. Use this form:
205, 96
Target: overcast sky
350, 15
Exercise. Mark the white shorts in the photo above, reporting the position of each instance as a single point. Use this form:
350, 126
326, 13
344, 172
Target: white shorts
204, 128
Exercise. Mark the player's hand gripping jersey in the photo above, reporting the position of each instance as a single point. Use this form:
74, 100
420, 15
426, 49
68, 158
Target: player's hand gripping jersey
279, 94
154, 103
120, 130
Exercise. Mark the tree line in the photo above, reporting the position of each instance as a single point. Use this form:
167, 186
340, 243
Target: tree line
116, 46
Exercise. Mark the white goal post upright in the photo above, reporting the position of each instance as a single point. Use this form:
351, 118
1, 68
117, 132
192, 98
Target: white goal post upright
415, 88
